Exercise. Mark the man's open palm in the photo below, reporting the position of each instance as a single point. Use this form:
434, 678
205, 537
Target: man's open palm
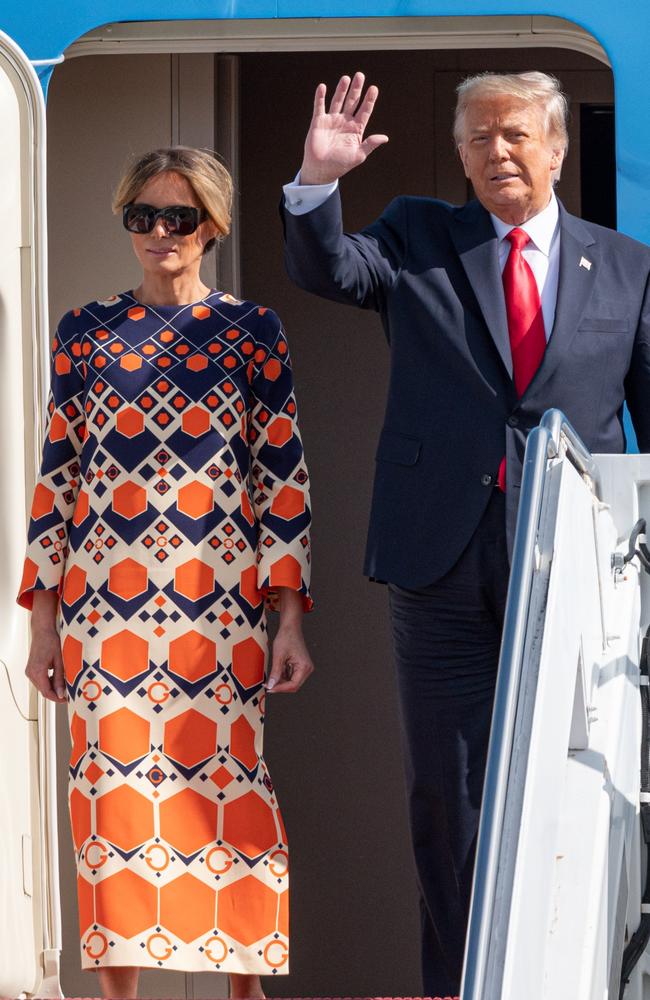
335, 142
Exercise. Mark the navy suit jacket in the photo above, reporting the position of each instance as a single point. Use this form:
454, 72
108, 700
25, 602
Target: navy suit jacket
431, 271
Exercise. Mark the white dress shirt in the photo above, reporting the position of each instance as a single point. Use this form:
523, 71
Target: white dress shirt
302, 198
542, 253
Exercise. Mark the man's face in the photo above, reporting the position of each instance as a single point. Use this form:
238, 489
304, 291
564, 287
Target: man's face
508, 156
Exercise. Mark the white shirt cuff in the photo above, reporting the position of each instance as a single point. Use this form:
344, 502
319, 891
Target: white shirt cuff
302, 198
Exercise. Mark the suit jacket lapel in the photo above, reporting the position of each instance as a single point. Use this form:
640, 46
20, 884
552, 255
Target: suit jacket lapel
576, 281
477, 245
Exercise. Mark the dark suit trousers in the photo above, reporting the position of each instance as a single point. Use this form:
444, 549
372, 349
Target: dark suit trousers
446, 640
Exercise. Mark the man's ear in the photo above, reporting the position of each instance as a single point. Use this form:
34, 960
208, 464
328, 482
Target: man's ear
557, 157
463, 158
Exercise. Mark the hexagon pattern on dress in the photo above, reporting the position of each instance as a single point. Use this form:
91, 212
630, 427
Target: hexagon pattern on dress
172, 501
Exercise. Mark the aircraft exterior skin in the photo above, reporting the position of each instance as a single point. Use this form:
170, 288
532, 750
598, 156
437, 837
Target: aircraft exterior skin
44, 32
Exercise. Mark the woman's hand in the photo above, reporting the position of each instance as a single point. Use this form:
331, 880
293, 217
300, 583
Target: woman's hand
45, 662
45, 665
291, 663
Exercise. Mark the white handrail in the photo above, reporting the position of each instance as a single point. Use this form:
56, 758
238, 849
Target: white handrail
484, 946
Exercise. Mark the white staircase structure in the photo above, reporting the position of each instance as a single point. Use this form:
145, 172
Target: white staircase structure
562, 858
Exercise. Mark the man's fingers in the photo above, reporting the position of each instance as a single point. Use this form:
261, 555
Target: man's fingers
319, 100
354, 94
372, 142
367, 106
339, 95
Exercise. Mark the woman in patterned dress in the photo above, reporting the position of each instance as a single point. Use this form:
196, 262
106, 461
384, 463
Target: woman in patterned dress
170, 510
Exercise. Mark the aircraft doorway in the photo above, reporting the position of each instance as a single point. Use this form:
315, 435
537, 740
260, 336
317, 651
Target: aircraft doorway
334, 751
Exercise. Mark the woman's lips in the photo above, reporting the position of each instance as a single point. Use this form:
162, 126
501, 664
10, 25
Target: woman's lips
163, 252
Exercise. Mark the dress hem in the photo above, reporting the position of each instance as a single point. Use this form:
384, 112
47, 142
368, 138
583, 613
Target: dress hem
225, 968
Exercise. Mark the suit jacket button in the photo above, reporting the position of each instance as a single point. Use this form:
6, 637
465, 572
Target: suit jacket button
513, 421
486, 479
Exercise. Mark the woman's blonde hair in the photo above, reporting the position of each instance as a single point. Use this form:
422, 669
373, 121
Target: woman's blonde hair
210, 181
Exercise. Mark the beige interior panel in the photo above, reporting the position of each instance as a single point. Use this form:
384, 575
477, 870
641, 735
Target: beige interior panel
192, 90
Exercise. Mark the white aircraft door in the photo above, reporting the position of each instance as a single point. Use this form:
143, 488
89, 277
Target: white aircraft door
29, 925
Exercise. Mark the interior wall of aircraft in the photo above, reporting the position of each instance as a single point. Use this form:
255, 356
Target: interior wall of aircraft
334, 749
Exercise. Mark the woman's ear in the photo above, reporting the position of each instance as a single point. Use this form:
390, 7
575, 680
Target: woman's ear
212, 232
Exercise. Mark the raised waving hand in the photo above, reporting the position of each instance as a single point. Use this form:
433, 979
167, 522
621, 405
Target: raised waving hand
335, 142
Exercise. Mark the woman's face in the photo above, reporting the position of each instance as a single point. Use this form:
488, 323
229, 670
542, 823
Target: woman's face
167, 254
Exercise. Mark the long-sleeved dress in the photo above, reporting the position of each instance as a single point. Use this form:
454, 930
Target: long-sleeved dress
172, 501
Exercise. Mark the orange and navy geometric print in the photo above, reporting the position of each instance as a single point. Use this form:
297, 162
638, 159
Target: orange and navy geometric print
171, 504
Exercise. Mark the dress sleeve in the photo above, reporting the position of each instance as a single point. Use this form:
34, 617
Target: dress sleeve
279, 477
57, 486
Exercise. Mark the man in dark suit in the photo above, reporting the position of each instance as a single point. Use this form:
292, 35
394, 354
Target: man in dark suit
494, 312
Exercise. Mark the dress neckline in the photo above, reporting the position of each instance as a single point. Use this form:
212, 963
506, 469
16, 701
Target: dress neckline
176, 306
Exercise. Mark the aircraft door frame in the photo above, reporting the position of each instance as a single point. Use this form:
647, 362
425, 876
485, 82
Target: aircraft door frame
30, 934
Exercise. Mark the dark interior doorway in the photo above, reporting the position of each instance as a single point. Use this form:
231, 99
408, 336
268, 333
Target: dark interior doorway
598, 164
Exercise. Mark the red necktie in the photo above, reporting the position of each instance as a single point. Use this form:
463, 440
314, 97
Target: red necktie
525, 320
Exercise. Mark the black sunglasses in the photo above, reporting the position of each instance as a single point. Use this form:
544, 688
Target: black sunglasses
182, 220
